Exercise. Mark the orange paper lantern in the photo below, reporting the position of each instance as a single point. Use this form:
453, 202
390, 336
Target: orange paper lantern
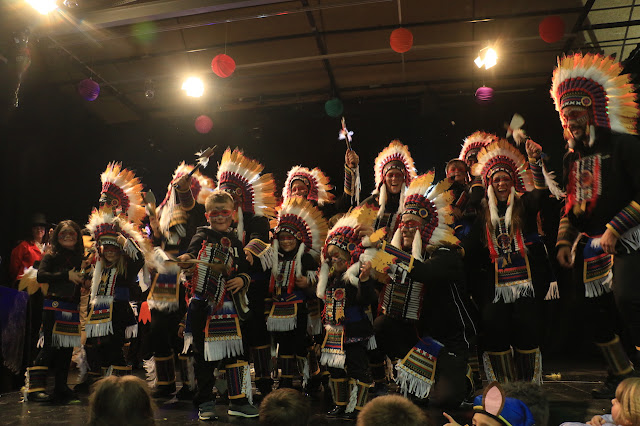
223, 65
401, 40
551, 29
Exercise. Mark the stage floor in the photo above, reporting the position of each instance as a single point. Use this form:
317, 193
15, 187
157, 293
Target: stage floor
569, 396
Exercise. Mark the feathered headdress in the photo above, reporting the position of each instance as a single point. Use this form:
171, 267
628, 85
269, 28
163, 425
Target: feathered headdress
344, 236
473, 144
501, 156
121, 192
314, 179
201, 187
394, 156
593, 81
105, 227
240, 176
433, 205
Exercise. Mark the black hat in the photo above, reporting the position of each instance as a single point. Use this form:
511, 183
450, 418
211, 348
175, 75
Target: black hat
39, 219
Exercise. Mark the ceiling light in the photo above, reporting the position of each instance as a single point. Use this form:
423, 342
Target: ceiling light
487, 57
43, 6
193, 86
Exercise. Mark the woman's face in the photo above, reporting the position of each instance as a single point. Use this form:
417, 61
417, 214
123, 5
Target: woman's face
394, 180
38, 233
111, 253
68, 237
502, 183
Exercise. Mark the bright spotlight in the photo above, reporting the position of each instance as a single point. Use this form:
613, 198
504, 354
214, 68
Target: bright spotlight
193, 86
43, 6
487, 57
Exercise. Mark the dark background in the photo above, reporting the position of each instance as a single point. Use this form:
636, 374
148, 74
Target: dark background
53, 151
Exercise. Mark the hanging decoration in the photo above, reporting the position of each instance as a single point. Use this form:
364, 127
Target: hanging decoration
223, 65
401, 40
89, 89
204, 124
23, 59
484, 95
551, 29
334, 107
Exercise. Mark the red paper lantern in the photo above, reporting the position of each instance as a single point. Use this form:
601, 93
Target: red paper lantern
484, 95
89, 89
551, 29
204, 124
401, 40
223, 65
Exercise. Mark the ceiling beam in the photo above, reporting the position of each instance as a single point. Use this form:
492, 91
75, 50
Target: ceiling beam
322, 48
578, 25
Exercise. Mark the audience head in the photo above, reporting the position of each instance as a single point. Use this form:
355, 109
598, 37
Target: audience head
625, 407
118, 401
391, 410
284, 407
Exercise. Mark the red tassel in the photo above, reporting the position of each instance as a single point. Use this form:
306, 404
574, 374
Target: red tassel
145, 313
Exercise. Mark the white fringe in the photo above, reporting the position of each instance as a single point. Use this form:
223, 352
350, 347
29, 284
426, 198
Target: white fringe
282, 324
333, 360
358, 185
372, 344
323, 279
152, 375
99, 330
64, 341
513, 292
298, 271
598, 287
40, 343
416, 247
220, 349
131, 332
80, 359
163, 306
188, 340
554, 292
493, 206
240, 227
353, 397
396, 241
131, 249
314, 325
352, 275
303, 367
246, 385
411, 384
66, 315
312, 276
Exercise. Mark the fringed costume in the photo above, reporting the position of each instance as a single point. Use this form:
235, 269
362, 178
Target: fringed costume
602, 180
254, 194
424, 322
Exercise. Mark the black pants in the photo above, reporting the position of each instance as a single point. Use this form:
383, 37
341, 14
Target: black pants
294, 342
356, 364
394, 337
256, 325
107, 350
510, 324
163, 333
58, 359
626, 289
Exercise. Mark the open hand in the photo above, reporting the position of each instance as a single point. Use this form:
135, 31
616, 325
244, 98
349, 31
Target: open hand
564, 257
234, 285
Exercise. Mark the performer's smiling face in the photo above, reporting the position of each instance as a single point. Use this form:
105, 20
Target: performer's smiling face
287, 241
337, 259
394, 180
577, 121
502, 183
410, 225
299, 189
220, 215
68, 237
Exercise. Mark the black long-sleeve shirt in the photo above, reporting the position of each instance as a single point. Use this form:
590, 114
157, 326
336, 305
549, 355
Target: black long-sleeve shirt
54, 270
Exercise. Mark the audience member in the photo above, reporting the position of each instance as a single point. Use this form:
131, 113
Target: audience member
390, 410
121, 400
285, 407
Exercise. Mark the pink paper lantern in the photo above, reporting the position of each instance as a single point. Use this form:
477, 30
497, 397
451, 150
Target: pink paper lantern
401, 40
223, 65
89, 89
551, 29
484, 95
204, 124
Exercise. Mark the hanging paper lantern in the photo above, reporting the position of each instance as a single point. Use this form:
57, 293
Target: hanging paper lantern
89, 89
334, 107
223, 65
401, 40
204, 124
484, 95
551, 29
